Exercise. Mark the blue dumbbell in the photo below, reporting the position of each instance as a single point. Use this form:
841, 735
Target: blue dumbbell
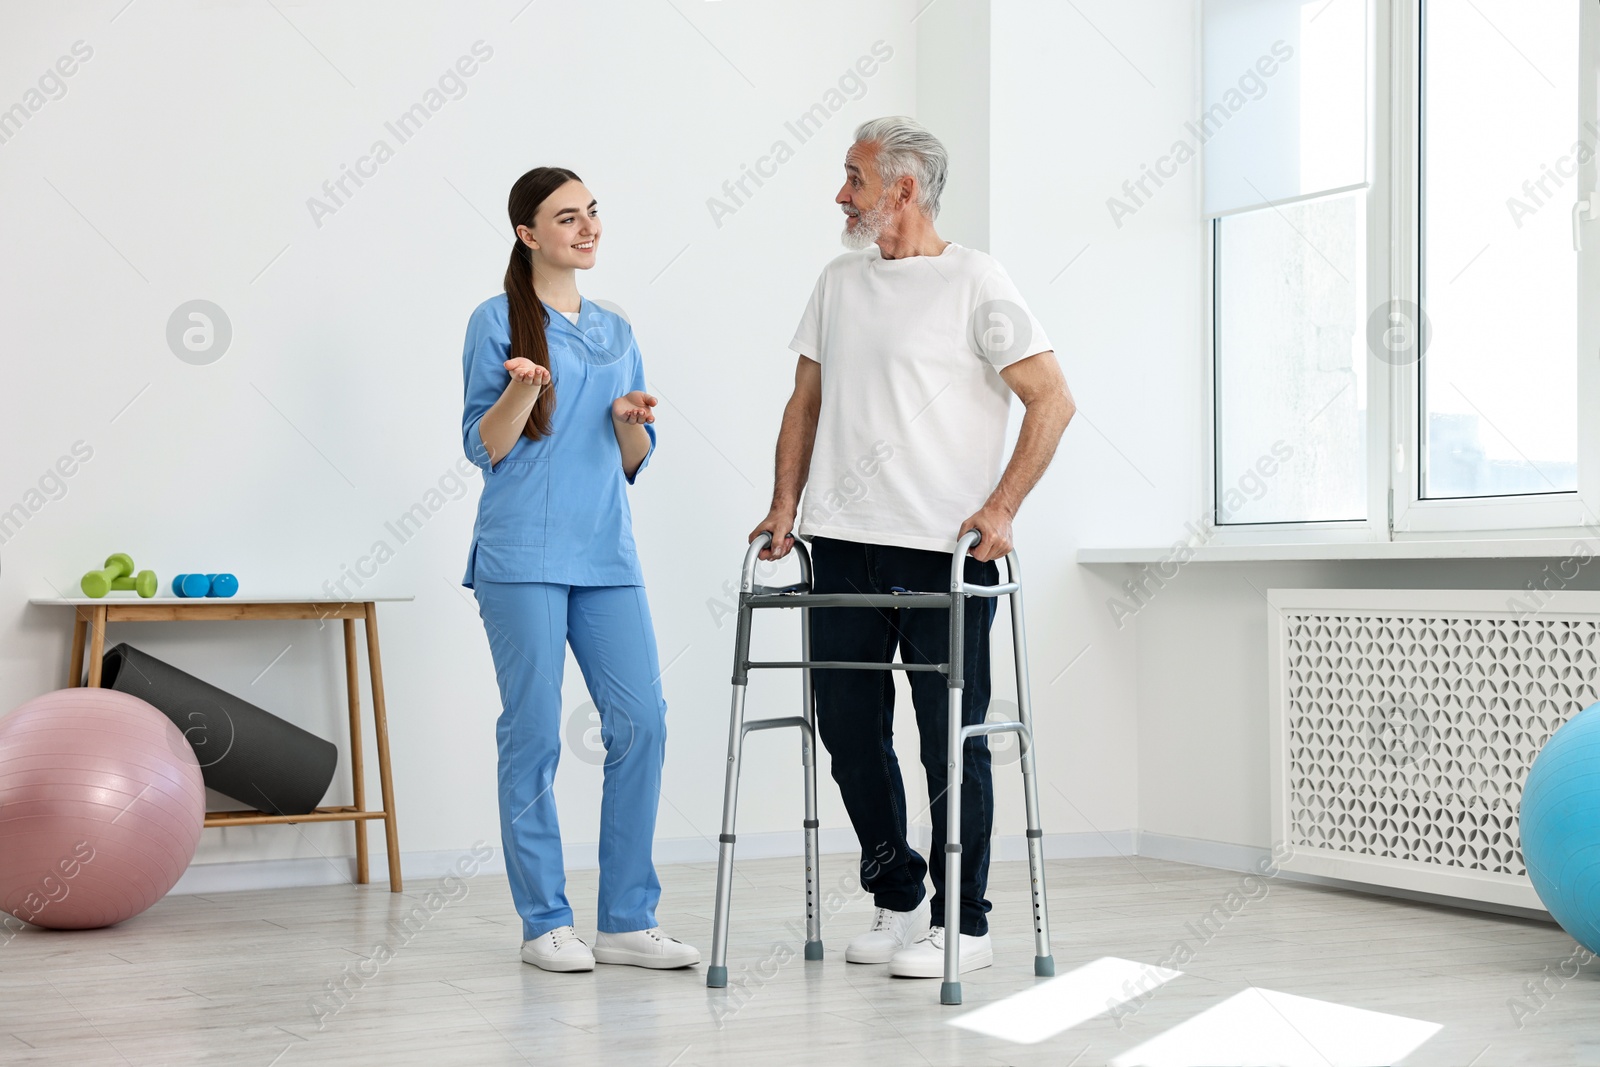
190, 585
205, 585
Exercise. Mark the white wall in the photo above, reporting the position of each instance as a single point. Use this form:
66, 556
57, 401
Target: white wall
1082, 95
178, 165
953, 78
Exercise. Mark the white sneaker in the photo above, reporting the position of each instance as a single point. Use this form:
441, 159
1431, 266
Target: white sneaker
645, 948
891, 931
925, 958
560, 949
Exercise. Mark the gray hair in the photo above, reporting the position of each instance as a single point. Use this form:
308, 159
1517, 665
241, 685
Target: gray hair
905, 148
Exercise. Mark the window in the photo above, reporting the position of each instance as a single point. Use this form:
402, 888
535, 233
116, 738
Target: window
1498, 402
1291, 289
1286, 184
1395, 288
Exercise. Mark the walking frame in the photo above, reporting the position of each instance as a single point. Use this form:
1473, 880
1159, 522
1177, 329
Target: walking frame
799, 595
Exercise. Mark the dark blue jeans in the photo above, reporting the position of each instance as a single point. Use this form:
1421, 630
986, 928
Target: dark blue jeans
855, 716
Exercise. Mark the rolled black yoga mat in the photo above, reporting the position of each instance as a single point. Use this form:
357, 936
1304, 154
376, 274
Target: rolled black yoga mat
245, 753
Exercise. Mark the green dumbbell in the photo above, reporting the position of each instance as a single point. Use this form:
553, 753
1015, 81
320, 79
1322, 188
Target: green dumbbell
98, 583
144, 583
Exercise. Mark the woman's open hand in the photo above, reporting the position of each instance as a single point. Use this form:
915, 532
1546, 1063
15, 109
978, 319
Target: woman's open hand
633, 408
527, 372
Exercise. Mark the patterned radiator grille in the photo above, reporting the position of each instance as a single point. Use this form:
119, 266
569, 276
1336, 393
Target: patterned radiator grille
1409, 736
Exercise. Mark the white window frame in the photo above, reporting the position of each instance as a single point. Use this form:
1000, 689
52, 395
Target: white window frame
1395, 509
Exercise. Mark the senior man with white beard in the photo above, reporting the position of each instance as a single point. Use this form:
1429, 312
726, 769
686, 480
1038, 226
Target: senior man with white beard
910, 350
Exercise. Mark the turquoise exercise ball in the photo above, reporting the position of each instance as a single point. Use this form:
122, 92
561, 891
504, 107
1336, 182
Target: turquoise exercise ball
1560, 823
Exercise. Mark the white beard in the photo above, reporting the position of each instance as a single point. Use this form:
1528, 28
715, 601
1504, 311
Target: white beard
869, 227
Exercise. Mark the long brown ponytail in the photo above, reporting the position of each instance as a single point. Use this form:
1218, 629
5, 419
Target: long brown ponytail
527, 314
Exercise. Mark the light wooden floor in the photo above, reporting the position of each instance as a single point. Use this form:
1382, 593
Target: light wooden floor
230, 979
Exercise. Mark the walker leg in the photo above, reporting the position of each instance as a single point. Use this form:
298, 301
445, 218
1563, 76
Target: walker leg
813, 874
1044, 964
717, 971
950, 990
808, 758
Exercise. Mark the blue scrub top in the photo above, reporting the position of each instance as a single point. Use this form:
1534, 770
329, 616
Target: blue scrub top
555, 510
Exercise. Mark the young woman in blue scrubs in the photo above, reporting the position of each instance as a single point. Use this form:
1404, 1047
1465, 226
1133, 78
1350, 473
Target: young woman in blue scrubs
557, 417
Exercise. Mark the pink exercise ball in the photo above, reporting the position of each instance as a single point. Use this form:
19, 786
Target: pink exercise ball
101, 807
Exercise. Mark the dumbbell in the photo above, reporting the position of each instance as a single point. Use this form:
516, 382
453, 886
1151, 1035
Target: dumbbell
118, 574
201, 585
144, 583
191, 585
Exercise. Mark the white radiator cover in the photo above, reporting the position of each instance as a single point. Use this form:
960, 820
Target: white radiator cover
1403, 723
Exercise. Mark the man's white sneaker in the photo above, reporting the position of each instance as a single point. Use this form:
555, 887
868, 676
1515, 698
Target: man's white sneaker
925, 958
645, 948
560, 949
891, 931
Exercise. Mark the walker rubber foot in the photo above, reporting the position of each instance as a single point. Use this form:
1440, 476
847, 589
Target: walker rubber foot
813, 950
1044, 966
949, 992
716, 977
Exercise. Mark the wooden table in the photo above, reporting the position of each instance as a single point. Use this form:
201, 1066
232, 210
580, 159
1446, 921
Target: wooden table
89, 629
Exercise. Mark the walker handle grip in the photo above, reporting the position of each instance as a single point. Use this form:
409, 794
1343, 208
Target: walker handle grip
752, 555
969, 541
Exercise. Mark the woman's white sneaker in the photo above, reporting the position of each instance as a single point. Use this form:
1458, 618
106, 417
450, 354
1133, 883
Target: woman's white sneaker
891, 931
560, 949
925, 958
645, 948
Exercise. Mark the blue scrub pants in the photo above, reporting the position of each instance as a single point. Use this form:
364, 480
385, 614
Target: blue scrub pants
529, 626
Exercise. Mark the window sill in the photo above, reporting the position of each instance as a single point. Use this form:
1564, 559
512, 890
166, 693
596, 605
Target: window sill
1497, 548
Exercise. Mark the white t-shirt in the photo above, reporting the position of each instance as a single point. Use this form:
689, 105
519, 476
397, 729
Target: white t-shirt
913, 422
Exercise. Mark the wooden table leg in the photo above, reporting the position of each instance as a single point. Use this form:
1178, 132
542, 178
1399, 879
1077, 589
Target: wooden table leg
380, 725
352, 682
97, 642
80, 629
